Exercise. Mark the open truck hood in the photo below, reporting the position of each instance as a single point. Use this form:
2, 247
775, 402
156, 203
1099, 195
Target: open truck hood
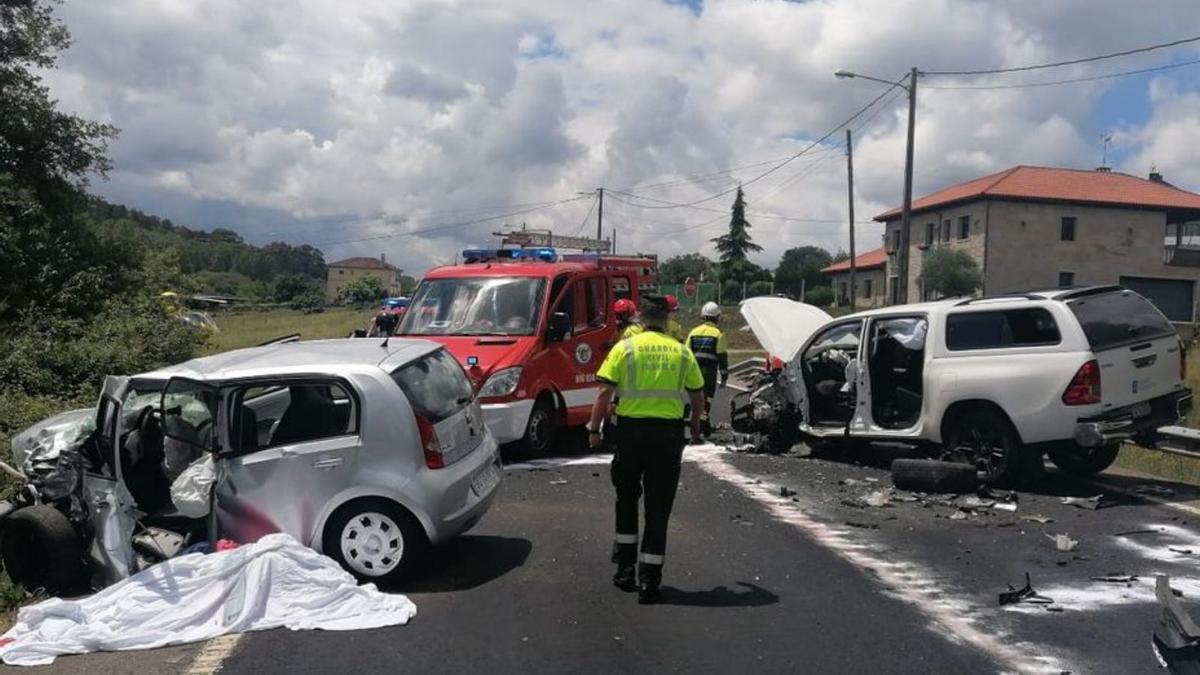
782, 325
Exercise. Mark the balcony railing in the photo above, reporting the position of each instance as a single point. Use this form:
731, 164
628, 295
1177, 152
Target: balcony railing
1181, 256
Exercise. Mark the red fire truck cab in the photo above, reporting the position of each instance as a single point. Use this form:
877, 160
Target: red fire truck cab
531, 327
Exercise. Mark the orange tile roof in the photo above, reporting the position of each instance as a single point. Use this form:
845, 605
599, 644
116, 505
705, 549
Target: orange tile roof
867, 261
1039, 183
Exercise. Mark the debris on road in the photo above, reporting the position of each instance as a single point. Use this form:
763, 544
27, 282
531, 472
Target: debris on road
1154, 490
1130, 533
930, 475
1089, 503
786, 492
560, 481
1063, 542
1011, 507
959, 515
1176, 639
1117, 578
879, 498
1026, 594
861, 525
1180, 551
1038, 518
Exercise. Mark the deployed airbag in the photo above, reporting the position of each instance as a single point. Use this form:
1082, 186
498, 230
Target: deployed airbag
272, 583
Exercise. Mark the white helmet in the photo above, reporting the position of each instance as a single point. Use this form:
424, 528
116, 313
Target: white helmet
710, 310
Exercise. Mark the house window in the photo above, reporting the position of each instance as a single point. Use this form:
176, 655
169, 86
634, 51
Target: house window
867, 288
1066, 279
895, 240
1068, 229
929, 233
946, 230
341, 272
964, 227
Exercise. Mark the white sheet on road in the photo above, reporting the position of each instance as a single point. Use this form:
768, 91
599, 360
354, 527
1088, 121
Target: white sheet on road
273, 583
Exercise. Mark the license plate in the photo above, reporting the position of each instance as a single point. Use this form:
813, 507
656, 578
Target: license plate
486, 481
1140, 409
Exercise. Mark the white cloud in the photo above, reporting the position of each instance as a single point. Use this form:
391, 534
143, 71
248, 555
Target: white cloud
290, 119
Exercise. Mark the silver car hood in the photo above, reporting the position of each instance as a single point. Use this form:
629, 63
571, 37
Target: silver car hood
45, 441
781, 325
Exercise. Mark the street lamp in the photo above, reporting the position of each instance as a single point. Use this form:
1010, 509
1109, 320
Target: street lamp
906, 209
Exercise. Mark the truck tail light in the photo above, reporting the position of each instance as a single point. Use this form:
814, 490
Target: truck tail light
429, 444
1085, 386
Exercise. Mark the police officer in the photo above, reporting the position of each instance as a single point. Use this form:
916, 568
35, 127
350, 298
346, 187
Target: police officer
707, 342
650, 372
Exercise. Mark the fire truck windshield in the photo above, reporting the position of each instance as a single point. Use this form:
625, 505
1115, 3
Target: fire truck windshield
475, 306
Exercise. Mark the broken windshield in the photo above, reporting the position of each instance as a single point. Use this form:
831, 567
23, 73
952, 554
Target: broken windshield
475, 306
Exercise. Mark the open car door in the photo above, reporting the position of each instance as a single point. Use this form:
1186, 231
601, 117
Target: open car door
111, 505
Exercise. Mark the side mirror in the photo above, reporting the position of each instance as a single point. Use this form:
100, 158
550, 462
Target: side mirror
559, 327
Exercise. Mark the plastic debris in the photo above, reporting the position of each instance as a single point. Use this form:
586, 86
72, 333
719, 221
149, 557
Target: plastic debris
786, 492
879, 498
1176, 639
959, 515
1089, 503
1117, 578
1063, 542
1038, 518
1011, 507
974, 502
1026, 594
561, 481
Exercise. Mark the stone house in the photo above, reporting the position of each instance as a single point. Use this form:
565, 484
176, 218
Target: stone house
1033, 227
344, 271
870, 279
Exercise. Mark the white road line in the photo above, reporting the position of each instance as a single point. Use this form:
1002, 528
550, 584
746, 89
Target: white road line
213, 654
903, 580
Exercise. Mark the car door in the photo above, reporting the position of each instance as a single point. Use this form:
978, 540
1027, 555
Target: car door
586, 299
277, 474
832, 353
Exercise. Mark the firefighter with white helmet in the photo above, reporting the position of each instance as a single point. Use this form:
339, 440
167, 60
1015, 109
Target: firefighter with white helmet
707, 342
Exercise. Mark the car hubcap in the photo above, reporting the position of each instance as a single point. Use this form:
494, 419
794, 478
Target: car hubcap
983, 449
537, 427
372, 544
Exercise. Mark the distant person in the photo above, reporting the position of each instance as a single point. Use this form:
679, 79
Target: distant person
626, 313
707, 342
673, 328
384, 323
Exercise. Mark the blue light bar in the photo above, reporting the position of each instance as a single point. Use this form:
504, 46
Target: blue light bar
541, 254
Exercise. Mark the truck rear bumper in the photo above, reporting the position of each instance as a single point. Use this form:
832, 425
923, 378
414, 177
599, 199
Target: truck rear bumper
507, 421
1124, 425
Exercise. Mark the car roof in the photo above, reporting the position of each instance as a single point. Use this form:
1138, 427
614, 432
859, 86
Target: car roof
1015, 299
336, 356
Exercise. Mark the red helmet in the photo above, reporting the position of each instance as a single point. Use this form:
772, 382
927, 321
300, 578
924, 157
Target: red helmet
672, 302
624, 307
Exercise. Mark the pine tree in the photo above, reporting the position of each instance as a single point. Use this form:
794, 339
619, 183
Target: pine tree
734, 246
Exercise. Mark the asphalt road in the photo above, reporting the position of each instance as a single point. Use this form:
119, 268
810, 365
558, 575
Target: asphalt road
756, 581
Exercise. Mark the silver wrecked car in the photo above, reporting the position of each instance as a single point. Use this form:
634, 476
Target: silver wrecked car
366, 451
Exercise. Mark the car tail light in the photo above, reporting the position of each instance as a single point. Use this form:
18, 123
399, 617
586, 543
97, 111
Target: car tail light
429, 444
1085, 386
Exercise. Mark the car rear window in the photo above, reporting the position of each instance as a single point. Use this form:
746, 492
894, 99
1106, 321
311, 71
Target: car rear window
1027, 327
1113, 319
435, 384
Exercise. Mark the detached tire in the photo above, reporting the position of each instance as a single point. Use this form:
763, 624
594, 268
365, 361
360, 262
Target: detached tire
541, 429
40, 549
376, 540
1083, 462
931, 475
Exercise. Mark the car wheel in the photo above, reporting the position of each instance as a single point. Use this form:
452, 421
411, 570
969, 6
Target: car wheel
376, 540
1083, 462
41, 550
541, 429
985, 439
931, 475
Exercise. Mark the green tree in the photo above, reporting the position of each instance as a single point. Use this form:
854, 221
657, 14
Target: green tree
408, 284
801, 267
364, 290
736, 244
821, 296
677, 269
298, 292
950, 273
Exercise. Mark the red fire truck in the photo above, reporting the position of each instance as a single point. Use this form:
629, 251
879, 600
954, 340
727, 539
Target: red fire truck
531, 327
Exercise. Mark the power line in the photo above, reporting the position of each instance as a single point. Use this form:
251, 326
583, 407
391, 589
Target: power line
450, 226
1075, 80
1072, 62
586, 216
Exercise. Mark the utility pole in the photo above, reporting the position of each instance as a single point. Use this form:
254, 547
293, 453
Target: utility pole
600, 214
614, 241
850, 194
906, 214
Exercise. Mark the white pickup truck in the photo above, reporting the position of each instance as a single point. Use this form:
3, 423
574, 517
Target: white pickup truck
996, 382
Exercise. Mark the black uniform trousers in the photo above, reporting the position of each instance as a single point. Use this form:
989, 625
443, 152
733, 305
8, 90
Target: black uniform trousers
646, 462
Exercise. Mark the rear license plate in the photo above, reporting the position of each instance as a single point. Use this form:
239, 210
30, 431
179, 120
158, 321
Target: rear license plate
486, 480
1140, 409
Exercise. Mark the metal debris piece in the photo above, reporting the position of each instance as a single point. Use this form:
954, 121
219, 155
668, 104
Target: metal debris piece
1011, 507
959, 515
850, 482
1089, 503
904, 497
974, 502
861, 525
1117, 578
1026, 594
871, 479
1176, 639
1053, 608
1181, 551
1129, 533
786, 492
879, 498
561, 481
1038, 518
1064, 542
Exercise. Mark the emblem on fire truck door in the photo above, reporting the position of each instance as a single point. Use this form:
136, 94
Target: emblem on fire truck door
583, 353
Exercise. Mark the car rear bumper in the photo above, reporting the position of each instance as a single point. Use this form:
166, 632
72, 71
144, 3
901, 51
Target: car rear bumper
1122, 425
460, 501
507, 421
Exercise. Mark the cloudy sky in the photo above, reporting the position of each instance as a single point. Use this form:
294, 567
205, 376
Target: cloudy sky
417, 127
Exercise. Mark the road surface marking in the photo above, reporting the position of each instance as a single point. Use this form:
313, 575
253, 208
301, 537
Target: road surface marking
213, 654
904, 581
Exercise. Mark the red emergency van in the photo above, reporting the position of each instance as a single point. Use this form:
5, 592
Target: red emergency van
531, 327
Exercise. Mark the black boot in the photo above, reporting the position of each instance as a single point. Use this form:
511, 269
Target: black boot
649, 593
626, 578
649, 583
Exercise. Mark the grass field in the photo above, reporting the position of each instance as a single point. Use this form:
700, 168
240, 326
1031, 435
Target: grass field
246, 329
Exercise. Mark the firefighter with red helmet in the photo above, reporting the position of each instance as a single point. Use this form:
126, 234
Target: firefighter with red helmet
673, 328
626, 313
